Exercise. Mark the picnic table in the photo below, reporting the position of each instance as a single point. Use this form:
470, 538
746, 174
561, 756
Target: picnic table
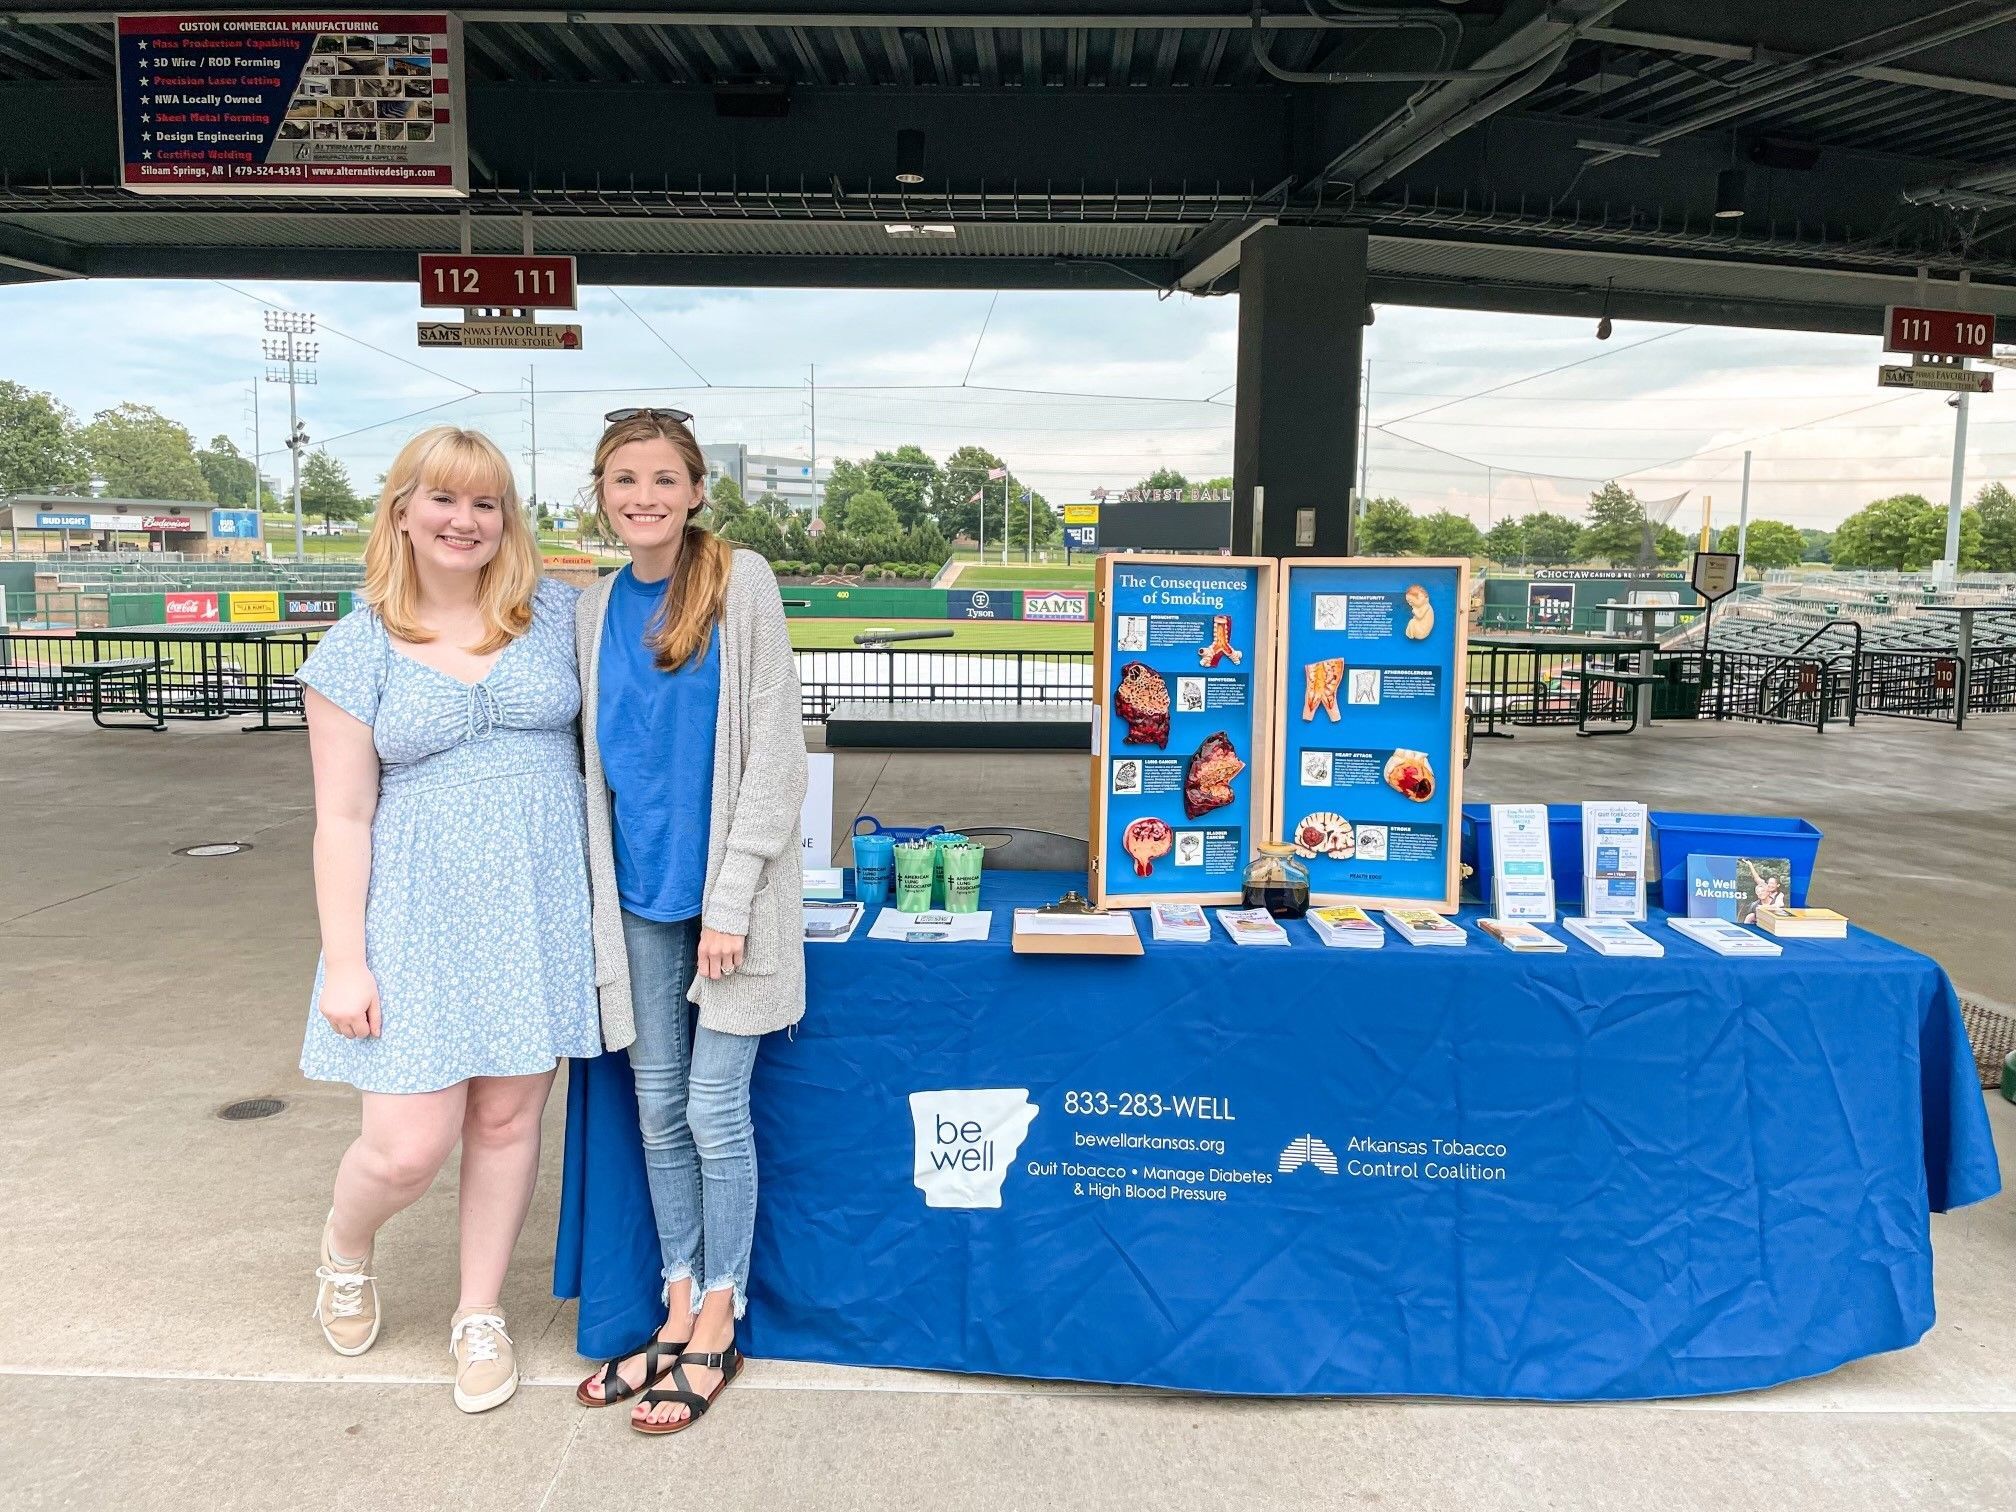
206, 694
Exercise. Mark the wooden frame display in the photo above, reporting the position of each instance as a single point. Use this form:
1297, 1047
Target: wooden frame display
1182, 726
1368, 726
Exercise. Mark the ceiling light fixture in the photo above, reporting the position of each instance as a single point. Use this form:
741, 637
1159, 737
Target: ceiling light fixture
909, 157
1603, 326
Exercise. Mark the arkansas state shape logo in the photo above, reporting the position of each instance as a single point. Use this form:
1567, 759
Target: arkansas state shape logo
966, 1142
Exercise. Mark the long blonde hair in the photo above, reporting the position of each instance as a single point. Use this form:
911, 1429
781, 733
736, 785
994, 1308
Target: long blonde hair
692, 607
453, 460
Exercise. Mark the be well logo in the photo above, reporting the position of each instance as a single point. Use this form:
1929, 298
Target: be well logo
966, 1141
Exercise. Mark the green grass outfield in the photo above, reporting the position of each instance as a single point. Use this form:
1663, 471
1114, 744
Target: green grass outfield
973, 635
1054, 575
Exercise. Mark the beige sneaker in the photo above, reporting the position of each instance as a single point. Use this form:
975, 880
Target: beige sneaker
346, 1300
486, 1369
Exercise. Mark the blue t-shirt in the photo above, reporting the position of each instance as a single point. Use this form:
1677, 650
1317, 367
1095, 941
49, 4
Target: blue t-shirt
656, 732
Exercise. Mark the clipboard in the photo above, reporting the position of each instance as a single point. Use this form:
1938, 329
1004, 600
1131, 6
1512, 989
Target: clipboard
1073, 905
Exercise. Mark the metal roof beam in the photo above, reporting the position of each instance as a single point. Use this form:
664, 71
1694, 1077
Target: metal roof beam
44, 256
1736, 52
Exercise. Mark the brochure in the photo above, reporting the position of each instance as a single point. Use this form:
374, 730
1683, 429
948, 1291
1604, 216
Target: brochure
1613, 860
1613, 937
932, 926
1804, 923
831, 923
1180, 921
1252, 926
1725, 938
1736, 888
1347, 928
1521, 938
1522, 868
1423, 926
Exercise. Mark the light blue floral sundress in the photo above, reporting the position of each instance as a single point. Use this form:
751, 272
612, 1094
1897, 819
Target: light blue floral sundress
477, 925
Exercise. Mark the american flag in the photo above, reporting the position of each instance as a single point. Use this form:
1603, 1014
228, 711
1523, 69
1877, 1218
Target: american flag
996, 474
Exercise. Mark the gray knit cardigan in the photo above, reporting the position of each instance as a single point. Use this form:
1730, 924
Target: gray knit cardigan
754, 877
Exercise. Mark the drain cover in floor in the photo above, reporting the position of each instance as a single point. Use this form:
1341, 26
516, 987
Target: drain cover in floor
251, 1107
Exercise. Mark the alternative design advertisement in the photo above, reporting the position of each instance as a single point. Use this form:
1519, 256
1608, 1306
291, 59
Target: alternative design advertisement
1368, 718
338, 103
1185, 648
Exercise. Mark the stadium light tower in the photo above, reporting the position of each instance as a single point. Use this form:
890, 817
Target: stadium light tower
291, 360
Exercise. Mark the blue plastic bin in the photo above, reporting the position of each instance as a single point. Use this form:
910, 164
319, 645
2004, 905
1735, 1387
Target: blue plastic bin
1676, 836
1564, 845
896, 832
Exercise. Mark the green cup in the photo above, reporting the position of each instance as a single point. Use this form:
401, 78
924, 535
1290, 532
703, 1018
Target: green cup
939, 844
962, 865
915, 861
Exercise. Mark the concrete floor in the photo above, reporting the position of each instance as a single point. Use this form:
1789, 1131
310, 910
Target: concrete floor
154, 1348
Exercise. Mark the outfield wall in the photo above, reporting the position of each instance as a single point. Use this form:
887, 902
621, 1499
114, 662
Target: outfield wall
1042, 606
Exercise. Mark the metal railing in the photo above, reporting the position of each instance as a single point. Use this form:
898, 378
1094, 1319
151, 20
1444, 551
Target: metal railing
201, 681
941, 676
1512, 688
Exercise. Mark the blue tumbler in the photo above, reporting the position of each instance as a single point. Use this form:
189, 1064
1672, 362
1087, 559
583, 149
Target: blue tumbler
874, 868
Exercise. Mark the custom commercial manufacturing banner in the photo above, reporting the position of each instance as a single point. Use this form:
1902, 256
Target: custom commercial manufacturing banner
1318, 1171
292, 103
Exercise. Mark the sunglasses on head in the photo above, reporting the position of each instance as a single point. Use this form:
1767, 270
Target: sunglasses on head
618, 416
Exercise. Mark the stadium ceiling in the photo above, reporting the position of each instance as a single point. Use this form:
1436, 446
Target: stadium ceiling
1501, 154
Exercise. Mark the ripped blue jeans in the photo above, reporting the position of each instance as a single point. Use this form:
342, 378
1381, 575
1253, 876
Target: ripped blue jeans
693, 1111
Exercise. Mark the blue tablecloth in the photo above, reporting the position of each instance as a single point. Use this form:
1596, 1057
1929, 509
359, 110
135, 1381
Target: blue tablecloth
1450, 1172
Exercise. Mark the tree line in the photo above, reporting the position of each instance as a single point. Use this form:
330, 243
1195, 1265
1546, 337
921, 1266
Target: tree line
1904, 533
139, 453
903, 506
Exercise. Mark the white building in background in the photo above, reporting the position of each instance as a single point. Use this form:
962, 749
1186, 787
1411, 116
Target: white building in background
758, 473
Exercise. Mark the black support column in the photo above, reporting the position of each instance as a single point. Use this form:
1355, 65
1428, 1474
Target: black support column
1302, 312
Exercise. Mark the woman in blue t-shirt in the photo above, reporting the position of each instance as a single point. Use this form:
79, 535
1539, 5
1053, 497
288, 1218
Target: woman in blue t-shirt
692, 733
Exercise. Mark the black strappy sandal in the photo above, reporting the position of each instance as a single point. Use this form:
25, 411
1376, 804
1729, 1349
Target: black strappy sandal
616, 1389
728, 1362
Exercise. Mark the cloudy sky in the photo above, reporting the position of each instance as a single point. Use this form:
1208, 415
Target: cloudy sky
1481, 414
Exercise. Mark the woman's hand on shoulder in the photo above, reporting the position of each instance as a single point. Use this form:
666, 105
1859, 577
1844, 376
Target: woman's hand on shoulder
720, 953
350, 1001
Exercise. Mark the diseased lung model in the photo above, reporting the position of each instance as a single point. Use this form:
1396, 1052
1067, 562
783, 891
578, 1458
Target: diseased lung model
1208, 783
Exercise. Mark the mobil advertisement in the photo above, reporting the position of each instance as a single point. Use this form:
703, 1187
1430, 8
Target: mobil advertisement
190, 608
310, 606
1068, 605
